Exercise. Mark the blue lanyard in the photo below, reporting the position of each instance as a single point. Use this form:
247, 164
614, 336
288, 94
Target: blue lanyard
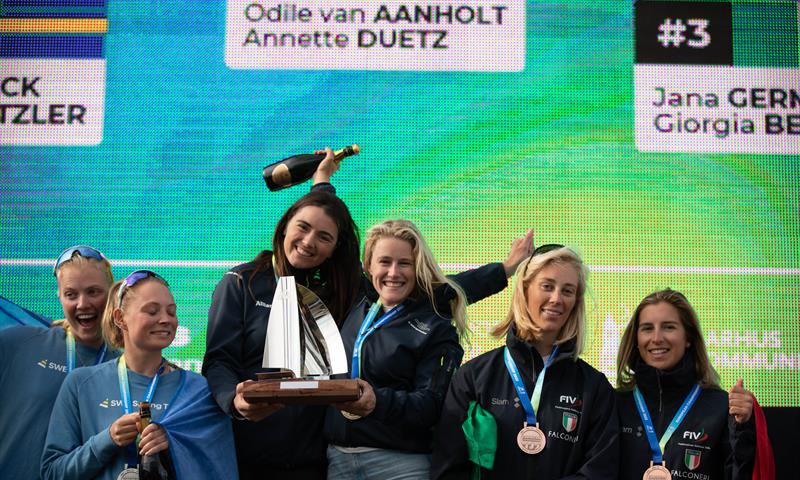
516, 378
72, 355
366, 330
656, 446
127, 403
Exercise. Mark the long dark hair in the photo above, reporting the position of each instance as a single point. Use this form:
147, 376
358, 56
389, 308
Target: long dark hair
339, 277
628, 353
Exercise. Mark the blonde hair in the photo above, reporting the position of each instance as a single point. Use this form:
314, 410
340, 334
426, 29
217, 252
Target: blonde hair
629, 352
575, 326
426, 270
112, 334
79, 261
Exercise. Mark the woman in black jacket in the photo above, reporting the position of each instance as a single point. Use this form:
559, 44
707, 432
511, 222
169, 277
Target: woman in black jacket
316, 241
676, 421
532, 409
403, 339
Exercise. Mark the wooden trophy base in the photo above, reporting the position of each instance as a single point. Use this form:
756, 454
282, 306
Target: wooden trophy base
282, 387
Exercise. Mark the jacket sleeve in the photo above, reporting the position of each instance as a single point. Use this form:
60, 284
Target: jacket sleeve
450, 456
602, 456
224, 340
740, 458
420, 407
481, 282
64, 455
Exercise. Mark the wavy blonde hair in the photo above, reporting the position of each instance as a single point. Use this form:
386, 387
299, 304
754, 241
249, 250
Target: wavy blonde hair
629, 352
79, 261
426, 270
575, 326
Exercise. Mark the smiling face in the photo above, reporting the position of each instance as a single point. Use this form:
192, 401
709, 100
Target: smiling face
82, 291
392, 270
311, 237
149, 320
551, 297
661, 336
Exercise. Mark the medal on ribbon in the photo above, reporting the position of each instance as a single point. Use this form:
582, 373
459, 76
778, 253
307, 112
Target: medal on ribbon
657, 469
531, 439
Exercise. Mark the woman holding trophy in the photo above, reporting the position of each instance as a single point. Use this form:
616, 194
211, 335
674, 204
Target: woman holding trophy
403, 339
316, 242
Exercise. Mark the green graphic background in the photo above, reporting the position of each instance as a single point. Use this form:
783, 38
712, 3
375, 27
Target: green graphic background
474, 158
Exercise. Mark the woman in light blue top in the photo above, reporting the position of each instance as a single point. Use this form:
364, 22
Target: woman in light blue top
94, 430
34, 361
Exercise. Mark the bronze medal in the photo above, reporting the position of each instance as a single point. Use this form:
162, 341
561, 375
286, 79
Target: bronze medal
349, 416
128, 474
531, 440
657, 472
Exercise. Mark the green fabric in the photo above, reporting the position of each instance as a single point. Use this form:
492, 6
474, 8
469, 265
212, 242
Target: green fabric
480, 431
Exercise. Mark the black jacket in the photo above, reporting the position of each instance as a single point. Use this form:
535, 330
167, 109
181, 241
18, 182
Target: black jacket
708, 444
409, 363
572, 390
237, 329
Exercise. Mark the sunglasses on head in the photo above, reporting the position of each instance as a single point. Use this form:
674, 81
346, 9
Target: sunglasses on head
83, 250
542, 249
134, 278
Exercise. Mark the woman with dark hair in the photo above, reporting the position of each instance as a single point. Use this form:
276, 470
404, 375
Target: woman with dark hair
35, 361
676, 421
316, 241
532, 408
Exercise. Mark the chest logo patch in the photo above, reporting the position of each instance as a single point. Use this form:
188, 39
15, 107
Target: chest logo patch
569, 421
698, 437
692, 458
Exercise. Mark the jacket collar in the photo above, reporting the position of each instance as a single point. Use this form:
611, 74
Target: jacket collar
527, 357
677, 380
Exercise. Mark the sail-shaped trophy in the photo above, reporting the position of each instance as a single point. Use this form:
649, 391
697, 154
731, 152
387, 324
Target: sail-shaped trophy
304, 348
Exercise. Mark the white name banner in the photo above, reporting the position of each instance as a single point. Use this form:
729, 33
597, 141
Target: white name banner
52, 101
714, 109
367, 35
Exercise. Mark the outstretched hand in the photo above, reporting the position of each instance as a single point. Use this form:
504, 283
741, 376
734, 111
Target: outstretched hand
326, 168
521, 248
740, 402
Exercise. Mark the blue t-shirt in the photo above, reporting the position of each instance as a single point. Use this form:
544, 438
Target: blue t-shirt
33, 364
78, 441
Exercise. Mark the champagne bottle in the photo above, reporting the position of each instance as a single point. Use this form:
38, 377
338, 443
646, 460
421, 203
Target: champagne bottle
150, 466
299, 168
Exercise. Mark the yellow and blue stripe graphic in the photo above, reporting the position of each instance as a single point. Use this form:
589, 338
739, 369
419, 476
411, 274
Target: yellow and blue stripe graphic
52, 28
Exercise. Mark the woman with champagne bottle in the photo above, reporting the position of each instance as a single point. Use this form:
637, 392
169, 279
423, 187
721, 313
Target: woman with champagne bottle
316, 241
35, 361
403, 339
95, 429
675, 419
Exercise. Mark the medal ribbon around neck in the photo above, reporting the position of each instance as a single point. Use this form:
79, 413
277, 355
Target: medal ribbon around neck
529, 404
127, 403
367, 327
656, 446
72, 356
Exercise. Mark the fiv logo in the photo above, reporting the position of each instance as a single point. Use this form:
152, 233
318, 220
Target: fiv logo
698, 437
574, 402
691, 458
